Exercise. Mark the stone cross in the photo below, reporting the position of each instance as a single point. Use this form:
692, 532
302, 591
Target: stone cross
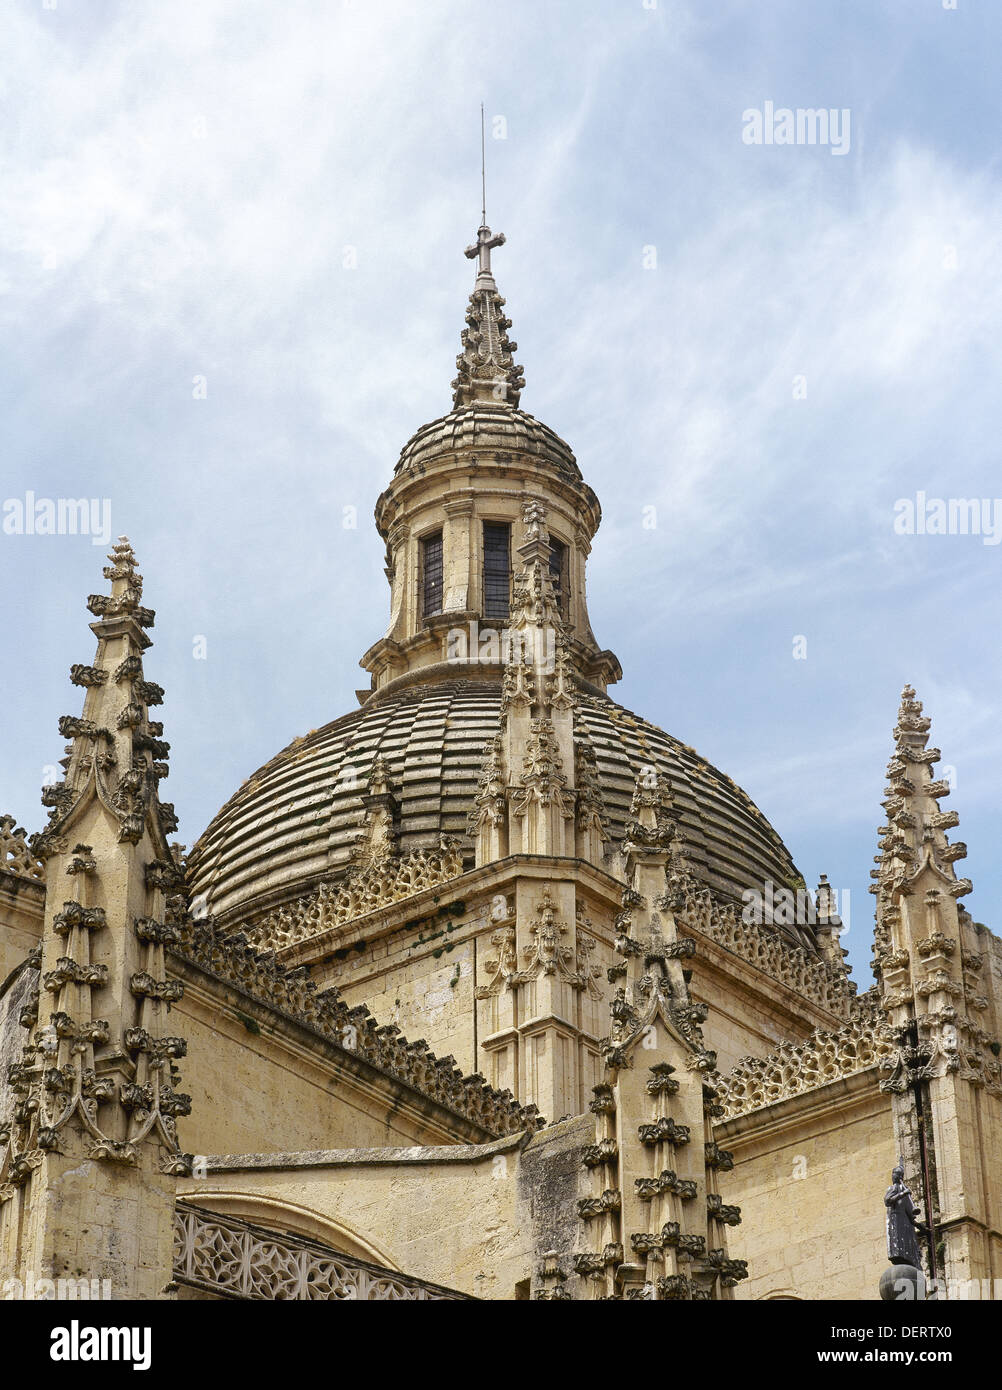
483, 247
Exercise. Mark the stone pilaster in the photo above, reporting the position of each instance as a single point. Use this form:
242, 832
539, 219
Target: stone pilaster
537, 718
526, 805
459, 554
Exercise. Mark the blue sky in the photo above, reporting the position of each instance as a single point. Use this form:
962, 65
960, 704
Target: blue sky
179, 188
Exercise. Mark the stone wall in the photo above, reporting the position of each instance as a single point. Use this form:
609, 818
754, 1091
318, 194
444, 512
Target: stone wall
422, 972
468, 1217
261, 1082
809, 1175
22, 911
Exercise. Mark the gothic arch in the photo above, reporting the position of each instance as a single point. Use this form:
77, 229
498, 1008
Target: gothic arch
279, 1215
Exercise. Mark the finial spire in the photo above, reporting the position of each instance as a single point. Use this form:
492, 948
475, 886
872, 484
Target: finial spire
487, 369
914, 837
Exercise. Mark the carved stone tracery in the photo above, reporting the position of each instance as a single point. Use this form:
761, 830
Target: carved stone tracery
795, 1068
227, 1256
359, 891
15, 855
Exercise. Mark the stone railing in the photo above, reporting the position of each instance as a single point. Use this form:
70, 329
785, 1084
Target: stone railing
15, 856
224, 1255
389, 881
809, 975
438, 1079
794, 1068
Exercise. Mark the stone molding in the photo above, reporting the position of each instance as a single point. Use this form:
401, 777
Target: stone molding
697, 910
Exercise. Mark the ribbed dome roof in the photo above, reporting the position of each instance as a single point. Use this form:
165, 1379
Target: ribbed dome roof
488, 427
294, 822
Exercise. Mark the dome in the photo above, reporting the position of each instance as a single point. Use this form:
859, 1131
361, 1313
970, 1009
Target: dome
488, 524
488, 427
294, 822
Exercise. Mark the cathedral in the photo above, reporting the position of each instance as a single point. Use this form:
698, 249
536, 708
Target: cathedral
460, 996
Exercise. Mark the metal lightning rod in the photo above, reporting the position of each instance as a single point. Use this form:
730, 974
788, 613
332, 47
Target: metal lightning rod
483, 170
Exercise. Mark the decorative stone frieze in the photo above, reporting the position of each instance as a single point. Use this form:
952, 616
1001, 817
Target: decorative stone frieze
822, 981
357, 892
503, 967
793, 1069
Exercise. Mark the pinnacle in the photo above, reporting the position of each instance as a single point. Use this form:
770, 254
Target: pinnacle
825, 903
115, 750
915, 825
912, 728
487, 370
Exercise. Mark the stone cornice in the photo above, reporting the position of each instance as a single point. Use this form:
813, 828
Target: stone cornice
812, 976
604, 663
417, 1155
28, 893
384, 919
784, 999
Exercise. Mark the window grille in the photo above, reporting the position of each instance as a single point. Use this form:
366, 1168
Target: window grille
431, 575
497, 569
558, 575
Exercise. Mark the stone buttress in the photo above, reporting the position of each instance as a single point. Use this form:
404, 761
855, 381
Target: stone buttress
929, 956
655, 1224
90, 1152
528, 811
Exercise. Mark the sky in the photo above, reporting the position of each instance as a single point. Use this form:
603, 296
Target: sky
232, 286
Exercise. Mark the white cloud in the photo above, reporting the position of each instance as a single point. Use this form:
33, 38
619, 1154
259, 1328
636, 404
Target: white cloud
180, 187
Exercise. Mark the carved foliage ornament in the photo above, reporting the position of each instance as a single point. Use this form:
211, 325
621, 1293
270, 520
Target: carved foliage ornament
57, 1078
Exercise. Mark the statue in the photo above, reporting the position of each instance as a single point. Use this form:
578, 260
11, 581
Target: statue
902, 1242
